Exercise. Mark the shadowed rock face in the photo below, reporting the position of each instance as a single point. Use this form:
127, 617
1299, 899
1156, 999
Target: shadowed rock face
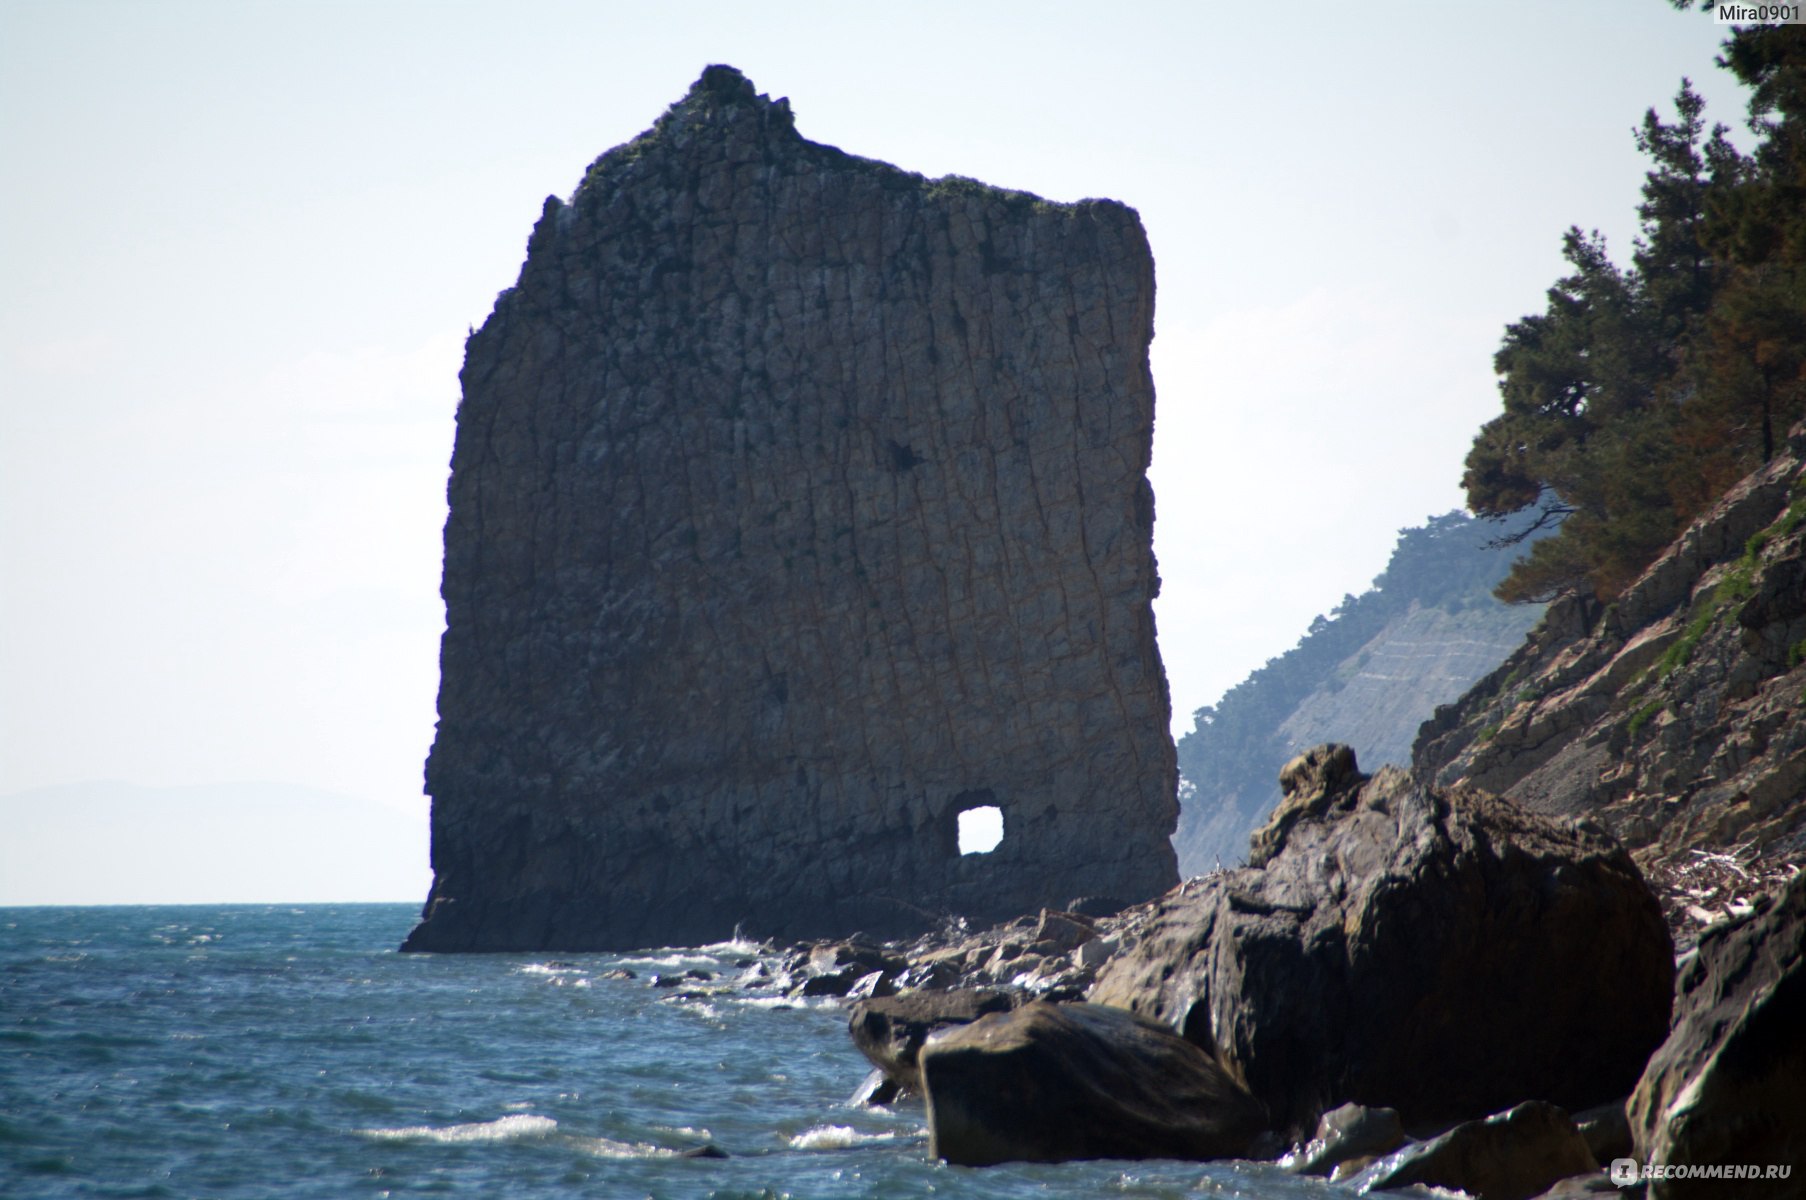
798, 504
1057, 1082
1512, 1155
1728, 1087
1439, 952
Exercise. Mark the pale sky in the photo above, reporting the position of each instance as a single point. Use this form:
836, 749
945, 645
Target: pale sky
241, 244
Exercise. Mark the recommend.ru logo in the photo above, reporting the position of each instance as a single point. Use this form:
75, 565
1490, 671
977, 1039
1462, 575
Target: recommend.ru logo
1625, 1171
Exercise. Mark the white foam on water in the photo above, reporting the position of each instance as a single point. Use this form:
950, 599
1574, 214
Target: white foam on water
768, 1002
550, 969
602, 1147
684, 959
520, 1128
689, 1131
838, 1137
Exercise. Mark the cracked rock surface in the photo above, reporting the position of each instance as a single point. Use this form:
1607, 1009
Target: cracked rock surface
1673, 716
798, 504
1437, 951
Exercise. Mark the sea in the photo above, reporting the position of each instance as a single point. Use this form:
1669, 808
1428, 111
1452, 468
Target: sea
291, 1051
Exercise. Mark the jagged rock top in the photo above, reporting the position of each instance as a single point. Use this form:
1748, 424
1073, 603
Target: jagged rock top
723, 105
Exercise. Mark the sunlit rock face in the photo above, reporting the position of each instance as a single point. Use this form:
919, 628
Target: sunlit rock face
798, 505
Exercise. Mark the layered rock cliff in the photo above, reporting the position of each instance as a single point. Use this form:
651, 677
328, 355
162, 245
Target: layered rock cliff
1678, 714
798, 504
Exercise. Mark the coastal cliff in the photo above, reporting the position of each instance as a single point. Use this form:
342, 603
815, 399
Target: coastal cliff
798, 504
1674, 714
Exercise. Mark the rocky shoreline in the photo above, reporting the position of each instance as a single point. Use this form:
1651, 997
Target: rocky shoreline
1409, 985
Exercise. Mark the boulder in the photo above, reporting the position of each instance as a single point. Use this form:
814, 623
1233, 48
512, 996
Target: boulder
1053, 1082
876, 1088
1347, 1133
866, 987
1308, 785
890, 1030
1441, 952
935, 973
836, 983
832, 957
1096, 952
1729, 1084
1606, 1131
854, 968
1061, 932
1509, 1156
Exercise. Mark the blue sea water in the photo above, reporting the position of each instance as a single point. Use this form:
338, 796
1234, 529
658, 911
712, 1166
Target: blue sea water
290, 1051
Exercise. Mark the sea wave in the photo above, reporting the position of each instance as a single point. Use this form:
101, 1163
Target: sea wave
839, 1137
768, 1002
601, 1147
680, 958
518, 1128
701, 1008
818, 1003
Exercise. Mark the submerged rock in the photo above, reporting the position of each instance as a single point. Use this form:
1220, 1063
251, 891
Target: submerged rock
876, 1088
1054, 1082
1728, 1087
1512, 1155
798, 505
1443, 953
1350, 1132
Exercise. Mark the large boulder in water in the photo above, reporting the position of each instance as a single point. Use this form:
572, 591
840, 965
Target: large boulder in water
1729, 1085
1443, 953
1054, 1082
891, 1030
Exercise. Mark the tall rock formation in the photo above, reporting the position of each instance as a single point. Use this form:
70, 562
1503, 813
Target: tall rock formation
798, 504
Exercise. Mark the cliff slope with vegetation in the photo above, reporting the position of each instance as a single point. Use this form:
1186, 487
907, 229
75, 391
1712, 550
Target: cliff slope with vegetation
1367, 674
1676, 714
1646, 420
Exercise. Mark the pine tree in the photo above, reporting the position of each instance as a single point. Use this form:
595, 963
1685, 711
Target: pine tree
1640, 393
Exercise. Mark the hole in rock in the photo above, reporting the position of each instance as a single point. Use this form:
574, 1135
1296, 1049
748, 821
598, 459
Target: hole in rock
980, 829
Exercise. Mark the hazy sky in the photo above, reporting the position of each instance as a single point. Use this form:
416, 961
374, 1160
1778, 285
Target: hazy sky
241, 244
